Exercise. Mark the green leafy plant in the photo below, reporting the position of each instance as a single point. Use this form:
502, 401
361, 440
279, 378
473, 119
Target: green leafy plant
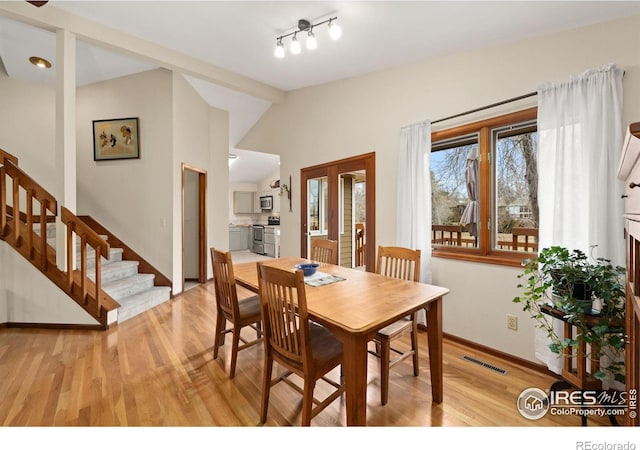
569, 281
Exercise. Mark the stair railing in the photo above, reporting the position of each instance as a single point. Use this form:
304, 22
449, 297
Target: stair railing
4, 156
17, 229
22, 235
92, 239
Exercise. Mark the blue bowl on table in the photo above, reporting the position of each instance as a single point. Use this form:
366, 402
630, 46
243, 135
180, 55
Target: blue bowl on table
307, 268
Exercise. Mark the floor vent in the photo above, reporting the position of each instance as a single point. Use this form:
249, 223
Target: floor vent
484, 364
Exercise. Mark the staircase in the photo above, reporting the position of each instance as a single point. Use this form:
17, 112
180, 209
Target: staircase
121, 279
111, 289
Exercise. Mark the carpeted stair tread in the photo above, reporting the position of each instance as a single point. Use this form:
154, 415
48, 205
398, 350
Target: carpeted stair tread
125, 287
115, 271
138, 303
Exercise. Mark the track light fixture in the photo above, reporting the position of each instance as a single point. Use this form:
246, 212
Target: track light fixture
311, 42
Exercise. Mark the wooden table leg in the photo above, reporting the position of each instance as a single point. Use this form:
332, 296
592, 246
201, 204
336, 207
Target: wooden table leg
355, 373
434, 336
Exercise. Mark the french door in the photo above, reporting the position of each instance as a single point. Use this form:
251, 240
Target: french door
338, 203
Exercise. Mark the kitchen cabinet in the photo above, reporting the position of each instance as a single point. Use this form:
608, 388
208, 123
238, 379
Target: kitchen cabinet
272, 241
243, 202
256, 203
276, 201
238, 238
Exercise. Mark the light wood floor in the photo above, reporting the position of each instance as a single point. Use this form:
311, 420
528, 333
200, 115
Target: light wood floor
156, 369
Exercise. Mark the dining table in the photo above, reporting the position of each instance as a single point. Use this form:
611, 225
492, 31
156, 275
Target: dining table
354, 305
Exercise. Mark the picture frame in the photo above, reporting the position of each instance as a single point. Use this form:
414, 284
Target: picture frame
116, 139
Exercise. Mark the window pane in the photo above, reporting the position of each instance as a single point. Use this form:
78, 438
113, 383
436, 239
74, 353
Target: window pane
314, 205
516, 189
454, 184
325, 197
360, 201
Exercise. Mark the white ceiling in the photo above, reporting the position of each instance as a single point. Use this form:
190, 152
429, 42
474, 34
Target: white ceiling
240, 36
252, 167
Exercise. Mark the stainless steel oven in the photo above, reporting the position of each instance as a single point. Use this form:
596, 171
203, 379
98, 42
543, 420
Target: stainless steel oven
258, 239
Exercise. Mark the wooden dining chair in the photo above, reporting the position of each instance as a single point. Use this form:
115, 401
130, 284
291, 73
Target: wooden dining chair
530, 235
324, 251
360, 244
302, 347
402, 263
241, 314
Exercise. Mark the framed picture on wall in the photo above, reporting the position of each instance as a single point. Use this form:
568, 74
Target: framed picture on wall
116, 139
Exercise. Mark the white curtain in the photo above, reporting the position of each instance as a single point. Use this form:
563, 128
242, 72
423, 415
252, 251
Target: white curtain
413, 219
579, 145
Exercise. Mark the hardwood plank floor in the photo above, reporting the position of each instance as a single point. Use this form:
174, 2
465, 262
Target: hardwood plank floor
156, 369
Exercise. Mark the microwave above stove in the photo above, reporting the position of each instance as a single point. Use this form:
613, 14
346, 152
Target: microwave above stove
266, 202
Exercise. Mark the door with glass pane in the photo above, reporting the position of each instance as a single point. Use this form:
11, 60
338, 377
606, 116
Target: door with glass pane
338, 204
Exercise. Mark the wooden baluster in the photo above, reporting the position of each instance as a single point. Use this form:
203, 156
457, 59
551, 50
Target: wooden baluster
83, 265
43, 234
69, 257
16, 212
98, 281
3, 200
30, 222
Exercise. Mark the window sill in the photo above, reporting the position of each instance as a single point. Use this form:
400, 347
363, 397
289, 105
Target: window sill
511, 259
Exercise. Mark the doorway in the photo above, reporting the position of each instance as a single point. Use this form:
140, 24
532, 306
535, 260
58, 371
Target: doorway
338, 203
194, 225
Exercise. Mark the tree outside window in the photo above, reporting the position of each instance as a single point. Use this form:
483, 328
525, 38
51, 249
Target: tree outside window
503, 181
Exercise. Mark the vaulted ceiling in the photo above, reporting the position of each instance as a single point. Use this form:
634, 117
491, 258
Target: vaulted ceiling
239, 37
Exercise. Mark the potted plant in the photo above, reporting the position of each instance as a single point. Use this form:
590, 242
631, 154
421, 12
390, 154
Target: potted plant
570, 282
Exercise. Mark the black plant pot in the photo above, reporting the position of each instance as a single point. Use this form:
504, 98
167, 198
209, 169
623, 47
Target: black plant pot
582, 293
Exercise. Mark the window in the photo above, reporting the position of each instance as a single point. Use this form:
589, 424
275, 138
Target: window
484, 190
359, 192
318, 204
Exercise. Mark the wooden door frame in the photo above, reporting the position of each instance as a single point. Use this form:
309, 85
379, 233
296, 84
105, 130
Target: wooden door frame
202, 221
366, 162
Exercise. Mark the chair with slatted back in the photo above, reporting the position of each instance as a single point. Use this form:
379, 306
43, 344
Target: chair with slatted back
324, 251
402, 263
530, 235
360, 244
293, 341
243, 313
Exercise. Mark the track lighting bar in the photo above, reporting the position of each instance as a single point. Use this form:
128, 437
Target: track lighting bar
311, 43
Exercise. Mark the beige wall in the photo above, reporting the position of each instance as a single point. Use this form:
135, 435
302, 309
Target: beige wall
364, 114
28, 297
27, 127
133, 197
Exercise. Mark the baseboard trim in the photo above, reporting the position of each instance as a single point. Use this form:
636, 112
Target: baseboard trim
53, 326
500, 354
540, 368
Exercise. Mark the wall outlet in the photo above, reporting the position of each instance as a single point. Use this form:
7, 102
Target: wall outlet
512, 322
